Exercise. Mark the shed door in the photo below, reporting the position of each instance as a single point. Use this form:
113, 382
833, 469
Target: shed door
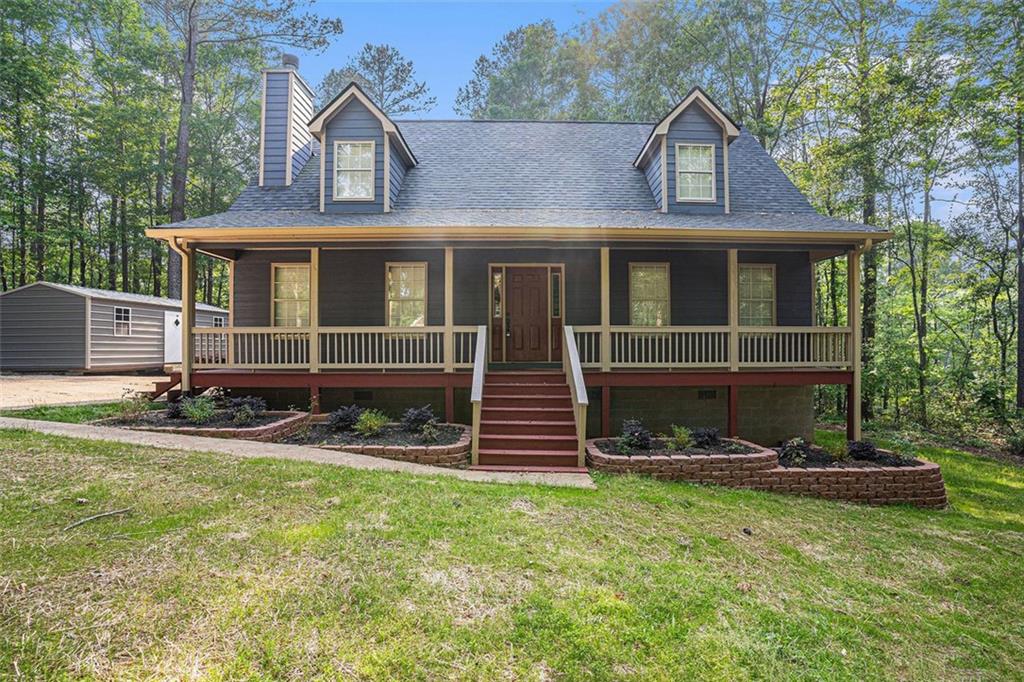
172, 336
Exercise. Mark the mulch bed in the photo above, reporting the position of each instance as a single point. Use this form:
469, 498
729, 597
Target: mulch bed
393, 434
610, 446
818, 458
221, 419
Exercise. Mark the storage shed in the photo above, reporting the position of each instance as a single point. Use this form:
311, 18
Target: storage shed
61, 327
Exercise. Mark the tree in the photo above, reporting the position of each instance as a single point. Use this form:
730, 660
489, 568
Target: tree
387, 77
198, 24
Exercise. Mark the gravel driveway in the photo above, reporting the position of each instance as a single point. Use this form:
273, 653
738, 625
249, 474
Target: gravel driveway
25, 390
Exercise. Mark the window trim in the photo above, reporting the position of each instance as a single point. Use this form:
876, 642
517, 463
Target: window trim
668, 294
680, 199
373, 171
775, 291
219, 322
387, 291
128, 321
273, 298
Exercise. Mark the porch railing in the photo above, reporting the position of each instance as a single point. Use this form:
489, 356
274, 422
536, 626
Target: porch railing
709, 347
578, 391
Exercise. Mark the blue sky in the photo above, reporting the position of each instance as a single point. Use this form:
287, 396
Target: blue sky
442, 38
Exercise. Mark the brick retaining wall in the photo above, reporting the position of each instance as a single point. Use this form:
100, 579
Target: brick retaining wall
921, 486
282, 428
456, 455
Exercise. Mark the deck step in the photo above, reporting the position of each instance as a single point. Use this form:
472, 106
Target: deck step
524, 378
527, 400
527, 442
526, 458
527, 413
496, 388
531, 469
508, 426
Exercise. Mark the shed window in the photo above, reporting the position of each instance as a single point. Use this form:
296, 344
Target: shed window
218, 322
695, 172
122, 321
407, 294
353, 171
290, 304
757, 295
649, 294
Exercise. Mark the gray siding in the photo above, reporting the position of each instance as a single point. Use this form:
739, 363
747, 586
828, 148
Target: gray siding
397, 168
652, 171
145, 346
353, 122
252, 284
42, 329
353, 285
695, 126
582, 281
275, 129
792, 284
302, 140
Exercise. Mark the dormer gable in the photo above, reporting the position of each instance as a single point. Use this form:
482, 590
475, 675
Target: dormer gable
686, 157
363, 157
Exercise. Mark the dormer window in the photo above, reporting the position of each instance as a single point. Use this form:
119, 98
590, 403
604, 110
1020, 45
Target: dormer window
353, 171
695, 172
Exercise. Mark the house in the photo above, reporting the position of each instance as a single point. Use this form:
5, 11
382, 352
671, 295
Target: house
52, 327
541, 280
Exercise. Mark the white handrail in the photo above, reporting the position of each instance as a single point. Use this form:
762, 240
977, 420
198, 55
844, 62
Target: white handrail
577, 390
476, 395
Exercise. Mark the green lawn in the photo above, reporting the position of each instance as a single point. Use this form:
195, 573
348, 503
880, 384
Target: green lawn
74, 414
272, 569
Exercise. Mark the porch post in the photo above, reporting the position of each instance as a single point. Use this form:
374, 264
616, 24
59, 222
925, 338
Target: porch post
188, 316
314, 309
606, 312
733, 416
853, 416
732, 272
231, 313
449, 310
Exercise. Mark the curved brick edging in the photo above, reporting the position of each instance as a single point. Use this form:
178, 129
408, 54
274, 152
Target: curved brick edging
267, 432
921, 486
455, 455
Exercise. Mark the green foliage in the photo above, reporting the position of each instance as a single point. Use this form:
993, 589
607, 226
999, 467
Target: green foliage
635, 436
706, 438
371, 422
430, 432
386, 76
345, 418
198, 409
415, 418
246, 410
682, 438
862, 449
795, 451
133, 405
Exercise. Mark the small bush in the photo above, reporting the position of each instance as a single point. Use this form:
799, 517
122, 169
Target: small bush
1015, 444
133, 405
371, 422
246, 410
243, 415
706, 438
345, 418
862, 449
795, 450
682, 438
174, 409
635, 436
430, 433
415, 418
198, 409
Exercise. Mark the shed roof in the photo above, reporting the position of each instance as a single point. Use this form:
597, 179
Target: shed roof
118, 296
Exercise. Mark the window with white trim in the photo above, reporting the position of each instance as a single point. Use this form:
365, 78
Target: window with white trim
122, 321
218, 322
757, 295
407, 294
649, 294
695, 172
353, 171
290, 291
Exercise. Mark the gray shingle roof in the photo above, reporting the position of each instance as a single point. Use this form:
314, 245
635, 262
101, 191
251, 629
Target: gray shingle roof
122, 297
536, 173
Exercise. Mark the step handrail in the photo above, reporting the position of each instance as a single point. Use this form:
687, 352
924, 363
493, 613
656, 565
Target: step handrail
577, 390
476, 395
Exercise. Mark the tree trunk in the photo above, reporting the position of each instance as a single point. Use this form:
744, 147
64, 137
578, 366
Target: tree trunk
125, 259
81, 230
179, 176
1020, 245
112, 246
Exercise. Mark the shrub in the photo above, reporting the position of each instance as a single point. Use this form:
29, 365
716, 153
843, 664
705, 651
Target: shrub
430, 433
345, 418
862, 449
371, 422
133, 405
1015, 444
246, 410
415, 418
795, 450
243, 415
681, 439
198, 409
705, 438
174, 409
635, 436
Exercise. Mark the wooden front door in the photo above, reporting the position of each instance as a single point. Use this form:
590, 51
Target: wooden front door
527, 322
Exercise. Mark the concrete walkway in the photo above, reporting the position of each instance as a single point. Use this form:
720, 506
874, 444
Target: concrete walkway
301, 453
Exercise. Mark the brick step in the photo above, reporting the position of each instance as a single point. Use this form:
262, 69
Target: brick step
525, 377
531, 427
526, 468
529, 400
493, 441
533, 389
527, 413
527, 458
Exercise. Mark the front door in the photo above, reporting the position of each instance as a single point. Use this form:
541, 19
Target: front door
527, 322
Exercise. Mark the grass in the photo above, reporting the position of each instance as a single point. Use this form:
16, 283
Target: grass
273, 569
72, 414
